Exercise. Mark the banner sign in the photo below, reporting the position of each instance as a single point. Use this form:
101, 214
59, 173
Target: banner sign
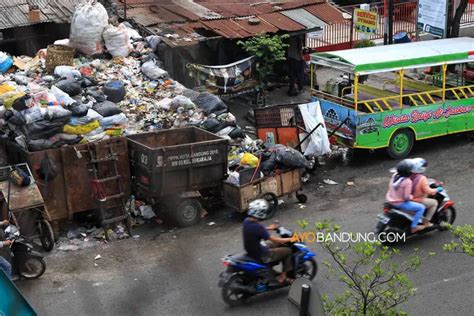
235, 78
432, 17
365, 21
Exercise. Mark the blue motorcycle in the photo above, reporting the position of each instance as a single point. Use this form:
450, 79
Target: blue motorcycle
246, 277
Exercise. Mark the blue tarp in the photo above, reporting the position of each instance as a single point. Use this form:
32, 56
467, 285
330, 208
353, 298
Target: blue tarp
12, 303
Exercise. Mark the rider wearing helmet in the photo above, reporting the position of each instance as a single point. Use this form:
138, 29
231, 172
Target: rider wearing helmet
254, 233
421, 189
400, 193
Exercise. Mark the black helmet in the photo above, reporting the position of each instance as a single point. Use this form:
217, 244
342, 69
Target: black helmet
404, 168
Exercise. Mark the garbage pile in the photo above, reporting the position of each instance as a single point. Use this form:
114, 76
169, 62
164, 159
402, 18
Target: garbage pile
252, 160
106, 91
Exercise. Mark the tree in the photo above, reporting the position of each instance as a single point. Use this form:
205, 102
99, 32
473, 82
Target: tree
374, 283
465, 240
267, 51
456, 22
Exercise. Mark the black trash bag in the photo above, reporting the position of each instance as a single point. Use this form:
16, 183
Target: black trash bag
44, 129
236, 133
269, 165
99, 96
86, 82
47, 171
78, 109
291, 158
210, 103
211, 125
20, 103
107, 108
40, 144
15, 119
69, 86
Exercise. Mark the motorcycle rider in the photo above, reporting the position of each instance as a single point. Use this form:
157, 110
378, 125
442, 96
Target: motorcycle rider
399, 193
254, 233
421, 189
4, 264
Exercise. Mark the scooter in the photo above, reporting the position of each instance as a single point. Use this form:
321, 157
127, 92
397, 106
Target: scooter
394, 220
26, 262
246, 277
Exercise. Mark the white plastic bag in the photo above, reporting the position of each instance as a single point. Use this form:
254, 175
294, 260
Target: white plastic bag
87, 25
117, 40
66, 72
62, 97
152, 71
319, 142
116, 119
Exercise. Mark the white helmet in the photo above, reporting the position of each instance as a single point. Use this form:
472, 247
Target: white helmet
418, 165
258, 209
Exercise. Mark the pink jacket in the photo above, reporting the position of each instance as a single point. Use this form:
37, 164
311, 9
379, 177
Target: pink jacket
421, 187
399, 191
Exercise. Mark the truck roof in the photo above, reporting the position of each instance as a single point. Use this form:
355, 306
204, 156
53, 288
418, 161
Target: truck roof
399, 56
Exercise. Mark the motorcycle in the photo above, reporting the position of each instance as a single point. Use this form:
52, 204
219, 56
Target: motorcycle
26, 262
394, 220
245, 277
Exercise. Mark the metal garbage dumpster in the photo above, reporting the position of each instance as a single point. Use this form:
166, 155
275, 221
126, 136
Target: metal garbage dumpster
172, 168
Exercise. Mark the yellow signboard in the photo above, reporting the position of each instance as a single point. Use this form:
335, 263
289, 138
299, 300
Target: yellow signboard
365, 21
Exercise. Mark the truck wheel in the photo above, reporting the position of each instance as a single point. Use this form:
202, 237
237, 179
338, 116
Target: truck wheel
188, 212
400, 144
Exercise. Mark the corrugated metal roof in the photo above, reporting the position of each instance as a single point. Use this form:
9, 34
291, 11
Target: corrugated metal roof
326, 12
282, 22
226, 28
262, 27
304, 17
14, 13
166, 16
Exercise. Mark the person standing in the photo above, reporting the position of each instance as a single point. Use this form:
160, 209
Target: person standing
295, 65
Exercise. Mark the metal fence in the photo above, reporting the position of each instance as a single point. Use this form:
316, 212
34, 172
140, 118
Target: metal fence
338, 36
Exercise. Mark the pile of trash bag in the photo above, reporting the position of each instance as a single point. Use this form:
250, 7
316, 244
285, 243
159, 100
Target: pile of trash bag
251, 160
125, 91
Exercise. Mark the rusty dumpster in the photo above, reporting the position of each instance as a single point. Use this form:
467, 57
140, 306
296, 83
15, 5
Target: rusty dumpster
70, 191
173, 167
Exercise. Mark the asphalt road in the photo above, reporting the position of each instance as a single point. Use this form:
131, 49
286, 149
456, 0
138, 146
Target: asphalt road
176, 273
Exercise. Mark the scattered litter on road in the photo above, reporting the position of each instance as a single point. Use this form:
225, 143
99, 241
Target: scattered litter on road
350, 183
280, 202
329, 181
211, 224
97, 257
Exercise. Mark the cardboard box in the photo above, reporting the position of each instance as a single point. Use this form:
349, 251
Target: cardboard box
34, 16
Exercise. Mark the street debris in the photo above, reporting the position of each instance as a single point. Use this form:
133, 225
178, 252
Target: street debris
350, 183
329, 181
211, 223
97, 257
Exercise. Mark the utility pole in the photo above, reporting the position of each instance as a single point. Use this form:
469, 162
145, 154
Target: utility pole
385, 22
390, 21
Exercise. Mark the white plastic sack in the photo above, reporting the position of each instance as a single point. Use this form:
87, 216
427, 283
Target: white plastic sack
132, 33
116, 119
87, 25
56, 111
67, 72
62, 97
152, 71
117, 40
319, 141
147, 211
83, 120
64, 42
32, 114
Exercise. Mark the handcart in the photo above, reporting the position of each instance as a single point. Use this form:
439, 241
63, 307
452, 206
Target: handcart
26, 208
270, 188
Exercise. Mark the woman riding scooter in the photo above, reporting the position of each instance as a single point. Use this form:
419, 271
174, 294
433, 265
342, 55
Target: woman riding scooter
421, 189
400, 194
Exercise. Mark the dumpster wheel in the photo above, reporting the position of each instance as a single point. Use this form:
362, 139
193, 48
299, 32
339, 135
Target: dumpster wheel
188, 212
